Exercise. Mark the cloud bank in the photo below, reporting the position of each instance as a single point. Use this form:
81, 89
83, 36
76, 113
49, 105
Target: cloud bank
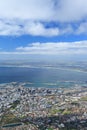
55, 48
52, 48
31, 17
54, 10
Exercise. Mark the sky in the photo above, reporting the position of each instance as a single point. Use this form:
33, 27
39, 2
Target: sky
43, 28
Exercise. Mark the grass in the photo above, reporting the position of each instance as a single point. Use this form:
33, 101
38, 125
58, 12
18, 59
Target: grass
8, 118
49, 129
66, 112
84, 98
55, 111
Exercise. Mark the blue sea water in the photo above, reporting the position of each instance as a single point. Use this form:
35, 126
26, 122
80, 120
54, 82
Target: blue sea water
40, 77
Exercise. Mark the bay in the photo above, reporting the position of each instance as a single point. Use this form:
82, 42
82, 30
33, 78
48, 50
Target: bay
40, 77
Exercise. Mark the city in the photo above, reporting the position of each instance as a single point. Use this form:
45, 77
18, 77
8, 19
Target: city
42, 108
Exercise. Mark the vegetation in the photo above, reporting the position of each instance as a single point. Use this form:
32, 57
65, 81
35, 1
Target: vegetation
84, 98
66, 112
8, 118
55, 111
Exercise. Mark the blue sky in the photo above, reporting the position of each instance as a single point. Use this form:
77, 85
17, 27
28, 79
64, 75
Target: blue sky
43, 27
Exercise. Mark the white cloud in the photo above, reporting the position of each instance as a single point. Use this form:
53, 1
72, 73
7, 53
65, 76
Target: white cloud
51, 48
9, 29
70, 10
26, 9
60, 10
38, 29
55, 48
31, 15
31, 28
82, 29
66, 30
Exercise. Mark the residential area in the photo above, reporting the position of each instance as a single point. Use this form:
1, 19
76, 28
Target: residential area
24, 108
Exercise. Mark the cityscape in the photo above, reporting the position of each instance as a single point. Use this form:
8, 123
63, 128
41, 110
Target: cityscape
43, 108
43, 64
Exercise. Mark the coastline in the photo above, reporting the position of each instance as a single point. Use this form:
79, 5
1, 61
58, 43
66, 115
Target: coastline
42, 67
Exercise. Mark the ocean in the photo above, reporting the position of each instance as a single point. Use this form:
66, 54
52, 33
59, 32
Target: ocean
41, 77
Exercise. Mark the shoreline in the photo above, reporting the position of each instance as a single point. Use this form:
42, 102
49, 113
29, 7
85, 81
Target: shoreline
36, 67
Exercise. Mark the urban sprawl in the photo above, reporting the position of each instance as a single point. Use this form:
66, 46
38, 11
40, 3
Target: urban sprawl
29, 108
